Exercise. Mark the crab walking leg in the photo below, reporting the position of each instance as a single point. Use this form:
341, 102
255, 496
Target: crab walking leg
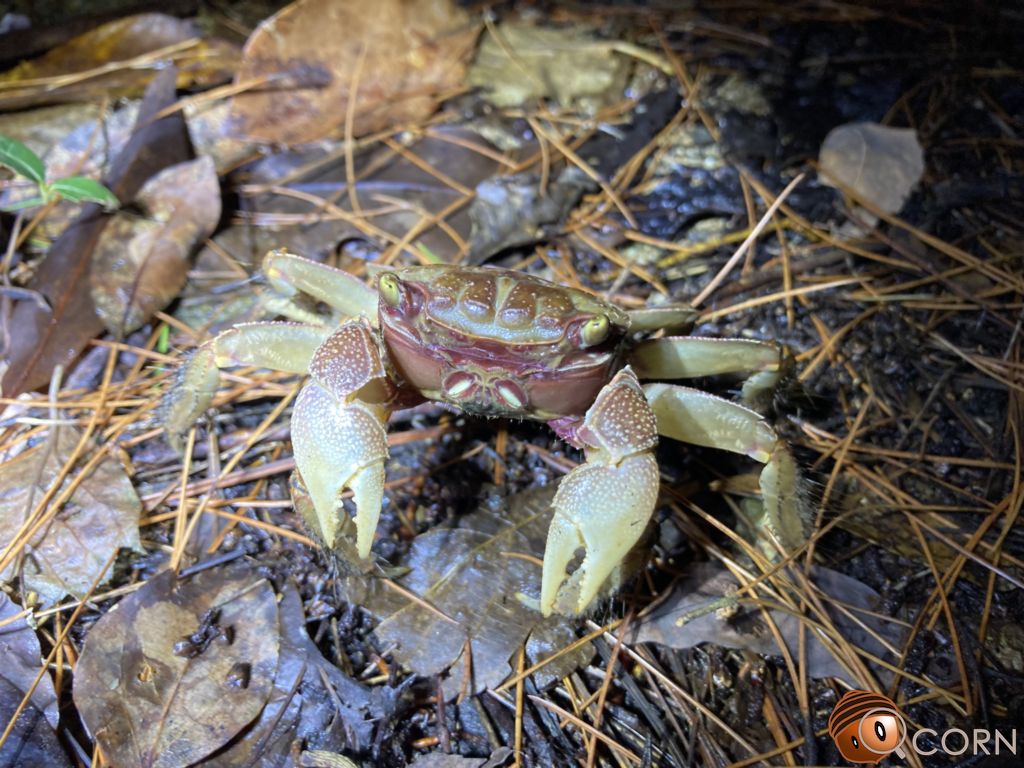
604, 504
280, 346
290, 275
700, 418
687, 357
338, 430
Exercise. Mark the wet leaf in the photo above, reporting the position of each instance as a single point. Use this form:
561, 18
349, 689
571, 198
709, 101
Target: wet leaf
22, 160
32, 741
473, 575
45, 339
152, 695
407, 53
79, 189
680, 621
140, 262
19, 648
879, 163
312, 702
439, 760
520, 62
67, 554
204, 63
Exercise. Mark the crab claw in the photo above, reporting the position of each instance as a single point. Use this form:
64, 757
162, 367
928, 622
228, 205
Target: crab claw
603, 505
338, 431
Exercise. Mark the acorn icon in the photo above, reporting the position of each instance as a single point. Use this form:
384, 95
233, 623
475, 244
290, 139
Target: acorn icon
867, 727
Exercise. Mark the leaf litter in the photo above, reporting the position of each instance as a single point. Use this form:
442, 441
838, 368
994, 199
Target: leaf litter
916, 354
33, 739
477, 585
69, 549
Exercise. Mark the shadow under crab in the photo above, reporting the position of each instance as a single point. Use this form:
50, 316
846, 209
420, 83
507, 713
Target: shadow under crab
495, 342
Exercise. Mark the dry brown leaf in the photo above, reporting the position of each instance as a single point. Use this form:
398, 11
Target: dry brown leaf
67, 554
55, 336
70, 69
304, 58
520, 62
140, 262
153, 696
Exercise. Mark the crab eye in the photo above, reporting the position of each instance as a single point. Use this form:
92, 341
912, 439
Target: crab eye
390, 289
595, 330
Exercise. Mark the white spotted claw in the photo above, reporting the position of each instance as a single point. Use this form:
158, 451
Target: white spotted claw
339, 438
605, 504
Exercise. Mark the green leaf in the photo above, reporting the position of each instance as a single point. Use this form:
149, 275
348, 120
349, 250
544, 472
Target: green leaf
31, 202
22, 160
79, 189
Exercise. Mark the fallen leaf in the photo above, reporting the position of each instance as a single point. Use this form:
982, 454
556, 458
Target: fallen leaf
84, 68
509, 211
472, 576
178, 668
31, 741
301, 64
312, 702
140, 262
47, 338
680, 621
441, 760
520, 62
67, 554
19, 648
880, 164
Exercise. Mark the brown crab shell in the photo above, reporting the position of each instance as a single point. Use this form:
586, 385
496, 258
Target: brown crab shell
498, 342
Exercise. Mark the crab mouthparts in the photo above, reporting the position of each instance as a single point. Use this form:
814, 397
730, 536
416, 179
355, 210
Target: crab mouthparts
479, 393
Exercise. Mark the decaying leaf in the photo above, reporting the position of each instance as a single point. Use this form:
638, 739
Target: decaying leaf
439, 760
177, 669
67, 554
31, 741
47, 338
880, 164
19, 648
140, 262
472, 577
83, 68
681, 621
312, 702
518, 62
302, 61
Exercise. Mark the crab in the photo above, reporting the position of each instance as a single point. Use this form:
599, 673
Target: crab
500, 343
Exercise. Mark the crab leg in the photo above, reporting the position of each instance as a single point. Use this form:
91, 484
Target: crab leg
700, 418
603, 505
338, 430
688, 357
281, 346
292, 275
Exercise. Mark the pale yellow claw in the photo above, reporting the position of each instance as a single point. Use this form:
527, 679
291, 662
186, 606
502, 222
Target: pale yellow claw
605, 504
341, 445
603, 509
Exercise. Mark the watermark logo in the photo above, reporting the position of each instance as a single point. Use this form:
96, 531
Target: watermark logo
867, 727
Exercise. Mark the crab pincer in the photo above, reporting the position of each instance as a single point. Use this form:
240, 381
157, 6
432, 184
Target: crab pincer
338, 430
603, 505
